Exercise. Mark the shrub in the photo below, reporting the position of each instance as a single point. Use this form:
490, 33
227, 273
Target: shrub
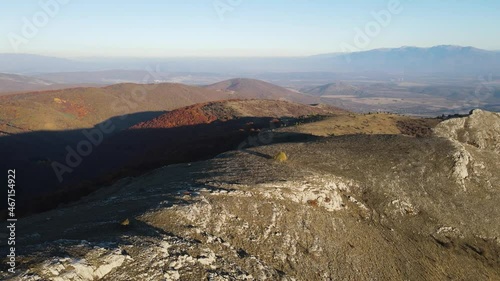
280, 157
126, 222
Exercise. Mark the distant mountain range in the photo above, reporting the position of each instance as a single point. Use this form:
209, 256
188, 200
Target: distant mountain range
438, 59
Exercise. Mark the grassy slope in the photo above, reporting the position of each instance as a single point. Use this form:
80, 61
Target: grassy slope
84, 107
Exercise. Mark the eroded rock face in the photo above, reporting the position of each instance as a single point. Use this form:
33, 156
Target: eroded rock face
480, 129
476, 139
358, 207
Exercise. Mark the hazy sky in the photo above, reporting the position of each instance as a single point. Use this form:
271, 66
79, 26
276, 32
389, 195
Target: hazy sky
146, 28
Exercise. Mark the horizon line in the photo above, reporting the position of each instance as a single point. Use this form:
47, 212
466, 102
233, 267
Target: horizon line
240, 57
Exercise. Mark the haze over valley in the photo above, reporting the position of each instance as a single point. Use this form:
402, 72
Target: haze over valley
419, 81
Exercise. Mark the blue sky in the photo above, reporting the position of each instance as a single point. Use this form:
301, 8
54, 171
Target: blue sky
126, 28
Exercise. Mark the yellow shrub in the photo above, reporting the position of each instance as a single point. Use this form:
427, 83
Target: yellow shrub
281, 157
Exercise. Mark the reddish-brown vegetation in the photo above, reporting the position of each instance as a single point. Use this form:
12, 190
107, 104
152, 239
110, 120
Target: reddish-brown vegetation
206, 113
191, 115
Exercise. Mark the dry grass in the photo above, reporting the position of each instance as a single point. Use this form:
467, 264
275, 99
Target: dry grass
351, 124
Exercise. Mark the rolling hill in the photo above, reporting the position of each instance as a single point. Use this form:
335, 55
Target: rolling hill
85, 107
257, 89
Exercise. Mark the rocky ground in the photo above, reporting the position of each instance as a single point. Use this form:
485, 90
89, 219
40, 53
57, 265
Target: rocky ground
353, 207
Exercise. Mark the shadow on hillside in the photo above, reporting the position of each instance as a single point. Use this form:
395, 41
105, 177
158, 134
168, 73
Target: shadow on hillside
128, 120
89, 159
256, 153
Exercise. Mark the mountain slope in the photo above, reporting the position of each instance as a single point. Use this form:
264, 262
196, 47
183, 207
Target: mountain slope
351, 207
